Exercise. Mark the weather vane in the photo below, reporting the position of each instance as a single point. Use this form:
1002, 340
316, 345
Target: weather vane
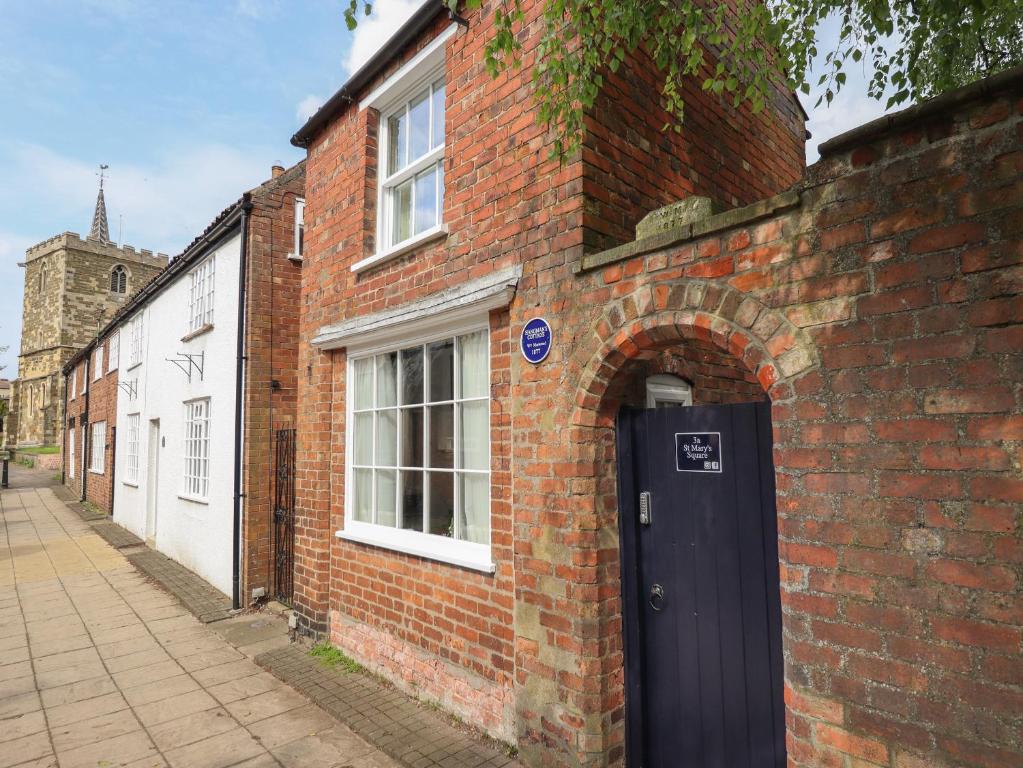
102, 174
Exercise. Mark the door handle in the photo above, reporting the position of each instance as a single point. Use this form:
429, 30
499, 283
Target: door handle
657, 597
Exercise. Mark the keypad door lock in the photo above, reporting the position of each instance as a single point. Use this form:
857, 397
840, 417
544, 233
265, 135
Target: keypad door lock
644, 508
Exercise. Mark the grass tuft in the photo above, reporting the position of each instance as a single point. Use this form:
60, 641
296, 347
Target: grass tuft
329, 656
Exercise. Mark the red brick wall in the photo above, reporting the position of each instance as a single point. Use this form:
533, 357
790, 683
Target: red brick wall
102, 406
272, 306
880, 311
506, 202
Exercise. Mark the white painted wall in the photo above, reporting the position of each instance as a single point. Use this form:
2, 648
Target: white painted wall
197, 535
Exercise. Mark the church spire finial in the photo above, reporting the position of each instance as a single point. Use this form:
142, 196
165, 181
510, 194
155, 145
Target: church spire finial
100, 229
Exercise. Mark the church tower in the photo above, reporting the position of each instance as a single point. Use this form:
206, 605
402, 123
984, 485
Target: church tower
73, 286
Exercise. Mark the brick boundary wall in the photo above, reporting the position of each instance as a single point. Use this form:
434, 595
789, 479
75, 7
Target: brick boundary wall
879, 306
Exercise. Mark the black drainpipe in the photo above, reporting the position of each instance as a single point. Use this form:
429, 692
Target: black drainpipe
63, 439
236, 597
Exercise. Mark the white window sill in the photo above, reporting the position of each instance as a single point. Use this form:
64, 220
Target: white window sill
434, 233
193, 499
130, 484
96, 472
197, 332
133, 366
464, 554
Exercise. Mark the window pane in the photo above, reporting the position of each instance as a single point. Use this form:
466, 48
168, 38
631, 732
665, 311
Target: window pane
387, 379
438, 113
426, 200
442, 438
419, 130
442, 362
386, 497
362, 504
412, 375
363, 438
401, 210
474, 361
412, 501
363, 373
475, 515
397, 132
440, 191
473, 438
412, 437
387, 438
442, 503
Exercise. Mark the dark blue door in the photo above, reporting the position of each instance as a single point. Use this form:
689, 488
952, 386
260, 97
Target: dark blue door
700, 587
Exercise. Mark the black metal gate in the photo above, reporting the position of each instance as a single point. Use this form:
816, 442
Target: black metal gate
701, 598
284, 516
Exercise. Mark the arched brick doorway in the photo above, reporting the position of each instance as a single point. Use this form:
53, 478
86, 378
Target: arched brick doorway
731, 349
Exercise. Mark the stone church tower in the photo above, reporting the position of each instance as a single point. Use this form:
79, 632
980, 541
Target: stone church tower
73, 286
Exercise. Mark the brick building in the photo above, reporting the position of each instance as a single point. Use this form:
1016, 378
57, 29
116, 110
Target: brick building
204, 397
462, 527
73, 286
90, 432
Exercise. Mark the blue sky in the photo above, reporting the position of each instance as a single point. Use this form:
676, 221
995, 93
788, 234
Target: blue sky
190, 103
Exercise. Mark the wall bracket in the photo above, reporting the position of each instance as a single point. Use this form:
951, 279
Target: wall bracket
188, 361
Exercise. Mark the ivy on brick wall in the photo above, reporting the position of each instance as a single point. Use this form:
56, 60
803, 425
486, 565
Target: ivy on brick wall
742, 51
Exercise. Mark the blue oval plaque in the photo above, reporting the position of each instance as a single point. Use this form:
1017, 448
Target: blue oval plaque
536, 340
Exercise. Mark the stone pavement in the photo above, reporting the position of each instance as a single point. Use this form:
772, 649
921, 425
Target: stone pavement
101, 668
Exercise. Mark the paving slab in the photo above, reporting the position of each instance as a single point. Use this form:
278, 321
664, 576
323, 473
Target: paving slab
101, 666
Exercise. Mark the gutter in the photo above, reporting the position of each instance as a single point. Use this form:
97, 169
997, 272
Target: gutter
246, 209
406, 33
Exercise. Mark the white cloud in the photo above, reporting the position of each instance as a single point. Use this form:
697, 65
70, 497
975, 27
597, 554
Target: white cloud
12, 250
163, 205
308, 106
377, 29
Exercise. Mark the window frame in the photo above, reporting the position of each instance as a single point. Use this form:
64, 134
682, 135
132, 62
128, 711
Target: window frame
136, 340
298, 245
97, 363
114, 351
71, 453
131, 449
203, 299
459, 552
97, 458
74, 383
121, 272
200, 494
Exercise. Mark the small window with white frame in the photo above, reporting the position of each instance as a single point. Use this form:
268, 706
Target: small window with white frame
197, 449
299, 247
412, 167
131, 468
135, 348
97, 363
74, 383
665, 390
419, 478
114, 352
200, 300
71, 448
98, 449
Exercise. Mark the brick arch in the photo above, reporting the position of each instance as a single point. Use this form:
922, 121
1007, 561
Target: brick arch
653, 317
640, 325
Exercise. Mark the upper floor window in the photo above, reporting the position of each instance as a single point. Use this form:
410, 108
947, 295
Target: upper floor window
119, 279
299, 228
200, 300
114, 352
97, 363
412, 167
74, 383
42, 277
135, 350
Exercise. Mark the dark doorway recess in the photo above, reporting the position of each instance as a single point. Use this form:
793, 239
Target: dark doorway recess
284, 516
701, 600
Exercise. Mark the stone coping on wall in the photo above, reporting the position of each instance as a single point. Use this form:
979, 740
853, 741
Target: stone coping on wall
761, 209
